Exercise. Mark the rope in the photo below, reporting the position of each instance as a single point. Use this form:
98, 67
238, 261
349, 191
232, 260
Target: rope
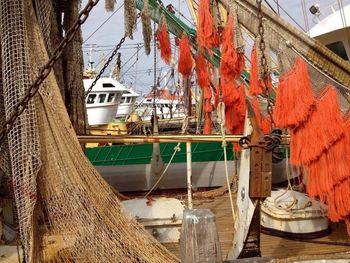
221, 120
289, 188
176, 149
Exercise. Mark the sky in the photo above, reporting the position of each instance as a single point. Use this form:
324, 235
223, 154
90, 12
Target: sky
138, 73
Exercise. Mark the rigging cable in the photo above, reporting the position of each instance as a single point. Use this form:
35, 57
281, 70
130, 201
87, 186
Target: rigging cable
136, 66
296, 22
132, 64
109, 53
103, 23
305, 16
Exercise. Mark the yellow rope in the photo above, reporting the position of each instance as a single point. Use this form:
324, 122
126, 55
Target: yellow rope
176, 149
221, 119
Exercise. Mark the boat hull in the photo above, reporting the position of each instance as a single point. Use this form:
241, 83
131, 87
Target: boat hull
128, 167
139, 177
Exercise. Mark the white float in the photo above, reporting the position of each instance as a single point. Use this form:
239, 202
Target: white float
162, 217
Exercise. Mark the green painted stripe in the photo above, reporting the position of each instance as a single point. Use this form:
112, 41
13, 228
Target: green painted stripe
142, 153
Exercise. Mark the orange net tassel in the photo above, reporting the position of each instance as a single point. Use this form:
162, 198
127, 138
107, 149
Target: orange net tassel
185, 57
295, 98
240, 63
208, 108
255, 86
329, 177
266, 125
228, 66
316, 135
164, 43
229, 92
207, 36
331, 169
207, 124
235, 114
202, 72
341, 198
236, 147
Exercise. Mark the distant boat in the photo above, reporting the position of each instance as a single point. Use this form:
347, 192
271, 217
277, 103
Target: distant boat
127, 104
168, 105
103, 100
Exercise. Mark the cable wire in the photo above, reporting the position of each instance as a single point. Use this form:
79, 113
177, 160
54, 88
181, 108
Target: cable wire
103, 23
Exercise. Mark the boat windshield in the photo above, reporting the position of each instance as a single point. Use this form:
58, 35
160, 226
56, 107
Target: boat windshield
110, 97
91, 99
102, 98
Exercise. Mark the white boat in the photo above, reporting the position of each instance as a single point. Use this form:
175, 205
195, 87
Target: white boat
103, 100
166, 108
127, 104
332, 29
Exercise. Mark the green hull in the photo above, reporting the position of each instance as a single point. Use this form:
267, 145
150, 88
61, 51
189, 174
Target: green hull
117, 155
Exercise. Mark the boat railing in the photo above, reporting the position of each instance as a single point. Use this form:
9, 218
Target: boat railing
164, 138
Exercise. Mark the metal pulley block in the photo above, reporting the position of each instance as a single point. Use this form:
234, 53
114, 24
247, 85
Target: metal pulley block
261, 162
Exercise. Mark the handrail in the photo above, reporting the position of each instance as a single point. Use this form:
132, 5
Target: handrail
163, 138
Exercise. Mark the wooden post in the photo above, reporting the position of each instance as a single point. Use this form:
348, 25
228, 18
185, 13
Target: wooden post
189, 174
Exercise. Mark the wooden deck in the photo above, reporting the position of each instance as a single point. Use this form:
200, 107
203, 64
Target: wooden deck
283, 249
274, 247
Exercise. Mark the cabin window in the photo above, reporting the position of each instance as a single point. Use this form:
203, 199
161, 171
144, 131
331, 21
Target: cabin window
102, 98
339, 49
91, 99
108, 85
110, 97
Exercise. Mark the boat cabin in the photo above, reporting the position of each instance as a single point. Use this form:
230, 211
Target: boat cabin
166, 109
333, 30
102, 102
127, 103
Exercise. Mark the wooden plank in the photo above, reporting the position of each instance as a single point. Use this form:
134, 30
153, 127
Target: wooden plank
275, 247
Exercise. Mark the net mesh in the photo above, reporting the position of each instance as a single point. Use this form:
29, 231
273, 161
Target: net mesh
49, 15
23, 140
78, 204
4, 154
289, 43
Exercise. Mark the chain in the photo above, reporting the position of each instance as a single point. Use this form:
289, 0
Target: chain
105, 66
45, 71
265, 74
268, 142
109, 60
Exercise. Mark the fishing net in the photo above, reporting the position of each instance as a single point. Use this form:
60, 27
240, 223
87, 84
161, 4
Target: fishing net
53, 180
48, 14
313, 85
109, 5
4, 154
146, 27
287, 43
129, 17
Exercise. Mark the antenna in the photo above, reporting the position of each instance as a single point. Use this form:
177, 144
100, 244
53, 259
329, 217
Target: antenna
90, 62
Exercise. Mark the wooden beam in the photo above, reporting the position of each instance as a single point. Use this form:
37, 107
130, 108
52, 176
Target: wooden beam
161, 138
